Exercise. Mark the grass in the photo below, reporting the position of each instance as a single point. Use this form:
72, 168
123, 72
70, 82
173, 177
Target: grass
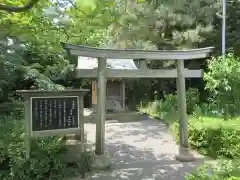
197, 121
204, 122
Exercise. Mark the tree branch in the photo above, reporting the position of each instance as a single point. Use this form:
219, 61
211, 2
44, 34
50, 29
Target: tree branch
26, 7
74, 5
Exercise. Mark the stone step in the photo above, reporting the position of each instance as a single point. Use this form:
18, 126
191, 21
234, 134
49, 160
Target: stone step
118, 116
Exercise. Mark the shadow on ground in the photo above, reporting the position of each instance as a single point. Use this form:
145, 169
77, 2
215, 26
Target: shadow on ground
143, 150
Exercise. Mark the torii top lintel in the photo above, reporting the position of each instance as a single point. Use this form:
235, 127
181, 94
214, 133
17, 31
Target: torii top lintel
81, 50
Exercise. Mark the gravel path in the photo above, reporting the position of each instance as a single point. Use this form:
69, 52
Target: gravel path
142, 150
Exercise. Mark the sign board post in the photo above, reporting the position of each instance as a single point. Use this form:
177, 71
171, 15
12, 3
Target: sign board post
49, 113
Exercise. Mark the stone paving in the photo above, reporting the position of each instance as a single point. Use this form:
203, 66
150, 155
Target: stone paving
143, 150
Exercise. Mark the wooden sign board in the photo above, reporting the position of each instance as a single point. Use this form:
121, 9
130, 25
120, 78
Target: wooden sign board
49, 113
54, 113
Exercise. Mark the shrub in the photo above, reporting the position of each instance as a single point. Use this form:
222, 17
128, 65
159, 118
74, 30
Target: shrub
45, 158
155, 107
169, 105
223, 82
46, 161
170, 102
222, 170
193, 100
207, 109
213, 136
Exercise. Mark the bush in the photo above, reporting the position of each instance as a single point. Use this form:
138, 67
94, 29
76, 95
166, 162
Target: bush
46, 161
169, 105
222, 170
223, 82
214, 136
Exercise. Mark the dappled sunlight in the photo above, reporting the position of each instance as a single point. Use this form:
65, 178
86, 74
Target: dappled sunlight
141, 150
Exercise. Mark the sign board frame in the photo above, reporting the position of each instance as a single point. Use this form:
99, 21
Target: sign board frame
29, 94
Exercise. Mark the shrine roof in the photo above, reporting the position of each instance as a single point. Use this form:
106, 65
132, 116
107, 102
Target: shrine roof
92, 63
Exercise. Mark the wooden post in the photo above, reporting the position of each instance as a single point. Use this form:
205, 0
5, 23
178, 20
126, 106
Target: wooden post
80, 117
123, 95
101, 107
28, 123
94, 95
182, 108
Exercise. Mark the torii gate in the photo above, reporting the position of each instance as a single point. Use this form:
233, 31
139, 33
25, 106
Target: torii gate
103, 73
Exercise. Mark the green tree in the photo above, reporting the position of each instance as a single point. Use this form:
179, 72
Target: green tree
222, 80
168, 24
31, 55
11, 8
232, 30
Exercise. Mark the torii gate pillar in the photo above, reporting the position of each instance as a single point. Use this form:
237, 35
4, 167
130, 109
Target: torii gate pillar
101, 106
184, 154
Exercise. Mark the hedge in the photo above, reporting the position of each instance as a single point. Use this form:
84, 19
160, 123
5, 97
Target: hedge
213, 136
